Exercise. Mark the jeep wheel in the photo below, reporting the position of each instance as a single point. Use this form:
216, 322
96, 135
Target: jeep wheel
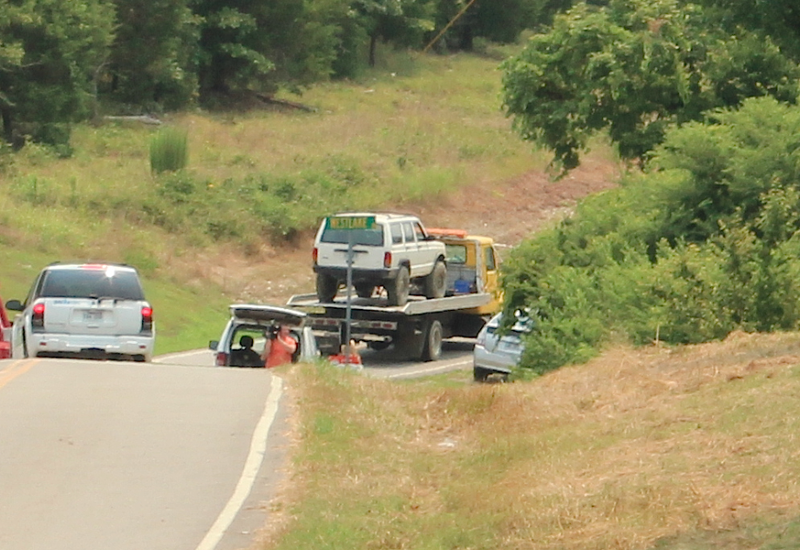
364, 290
399, 287
327, 287
436, 282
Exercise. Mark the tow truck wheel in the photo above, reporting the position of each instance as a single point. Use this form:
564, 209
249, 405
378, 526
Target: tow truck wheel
399, 287
327, 287
433, 342
436, 282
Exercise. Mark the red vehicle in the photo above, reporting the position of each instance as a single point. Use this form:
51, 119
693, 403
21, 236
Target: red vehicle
5, 333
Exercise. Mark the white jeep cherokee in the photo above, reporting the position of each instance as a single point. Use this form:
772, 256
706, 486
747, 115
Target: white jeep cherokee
84, 310
394, 252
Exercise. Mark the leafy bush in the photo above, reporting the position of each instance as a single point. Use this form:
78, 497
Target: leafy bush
705, 243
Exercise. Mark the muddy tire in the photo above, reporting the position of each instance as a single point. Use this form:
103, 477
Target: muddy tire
327, 287
432, 350
436, 281
398, 289
364, 290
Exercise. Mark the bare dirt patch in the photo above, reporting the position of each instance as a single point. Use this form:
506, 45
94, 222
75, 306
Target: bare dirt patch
507, 210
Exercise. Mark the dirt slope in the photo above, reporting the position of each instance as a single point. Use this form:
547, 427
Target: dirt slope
508, 211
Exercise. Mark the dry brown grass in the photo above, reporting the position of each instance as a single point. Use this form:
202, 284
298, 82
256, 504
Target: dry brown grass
633, 447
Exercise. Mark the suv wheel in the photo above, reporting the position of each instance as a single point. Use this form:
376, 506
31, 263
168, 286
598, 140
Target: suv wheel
436, 282
327, 287
398, 288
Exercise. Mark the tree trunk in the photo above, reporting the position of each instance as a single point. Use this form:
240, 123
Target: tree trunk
8, 134
373, 43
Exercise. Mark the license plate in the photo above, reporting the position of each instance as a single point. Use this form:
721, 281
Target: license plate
92, 316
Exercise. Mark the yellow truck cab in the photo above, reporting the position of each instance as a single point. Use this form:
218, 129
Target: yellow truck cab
472, 267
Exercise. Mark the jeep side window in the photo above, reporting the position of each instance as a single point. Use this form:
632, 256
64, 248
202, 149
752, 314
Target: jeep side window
408, 229
419, 232
397, 233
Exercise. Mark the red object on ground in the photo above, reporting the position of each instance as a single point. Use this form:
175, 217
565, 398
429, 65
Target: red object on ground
5, 326
345, 360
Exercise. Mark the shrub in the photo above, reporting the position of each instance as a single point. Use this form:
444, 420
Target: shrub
169, 150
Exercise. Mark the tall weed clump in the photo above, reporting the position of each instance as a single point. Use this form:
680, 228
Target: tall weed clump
706, 243
169, 150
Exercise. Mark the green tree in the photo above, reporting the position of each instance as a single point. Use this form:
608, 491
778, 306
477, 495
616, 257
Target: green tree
402, 22
262, 45
51, 53
778, 19
634, 69
152, 57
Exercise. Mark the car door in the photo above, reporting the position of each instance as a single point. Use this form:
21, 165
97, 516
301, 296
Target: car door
92, 301
333, 244
411, 248
425, 253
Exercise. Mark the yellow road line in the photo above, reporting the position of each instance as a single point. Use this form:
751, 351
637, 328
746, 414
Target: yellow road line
17, 368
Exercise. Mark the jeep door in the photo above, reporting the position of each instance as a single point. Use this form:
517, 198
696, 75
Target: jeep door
426, 255
412, 251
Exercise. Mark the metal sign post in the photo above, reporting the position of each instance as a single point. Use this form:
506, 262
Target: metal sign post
350, 224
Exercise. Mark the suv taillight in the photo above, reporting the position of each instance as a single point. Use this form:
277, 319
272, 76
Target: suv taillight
37, 320
387, 260
315, 255
222, 359
147, 319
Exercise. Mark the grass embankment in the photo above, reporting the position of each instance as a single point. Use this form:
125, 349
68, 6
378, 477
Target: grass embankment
692, 448
411, 129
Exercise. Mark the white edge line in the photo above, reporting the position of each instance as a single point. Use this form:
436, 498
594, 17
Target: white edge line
169, 356
429, 371
258, 446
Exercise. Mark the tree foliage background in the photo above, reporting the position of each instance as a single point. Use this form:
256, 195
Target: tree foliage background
634, 68
60, 61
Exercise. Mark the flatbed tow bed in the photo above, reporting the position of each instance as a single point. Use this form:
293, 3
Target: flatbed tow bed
416, 329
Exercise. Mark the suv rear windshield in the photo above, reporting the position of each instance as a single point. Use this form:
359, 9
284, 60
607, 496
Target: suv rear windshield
365, 237
91, 283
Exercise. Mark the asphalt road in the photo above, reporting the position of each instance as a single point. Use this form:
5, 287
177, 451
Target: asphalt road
128, 456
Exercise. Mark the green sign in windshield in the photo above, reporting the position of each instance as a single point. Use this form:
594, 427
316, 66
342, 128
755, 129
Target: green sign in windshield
351, 222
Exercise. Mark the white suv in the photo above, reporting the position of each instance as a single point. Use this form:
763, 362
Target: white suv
393, 251
84, 310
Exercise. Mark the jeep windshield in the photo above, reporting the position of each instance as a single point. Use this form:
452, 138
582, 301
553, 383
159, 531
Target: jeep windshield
365, 237
92, 283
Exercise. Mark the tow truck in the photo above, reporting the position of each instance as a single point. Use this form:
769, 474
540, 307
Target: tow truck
417, 328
